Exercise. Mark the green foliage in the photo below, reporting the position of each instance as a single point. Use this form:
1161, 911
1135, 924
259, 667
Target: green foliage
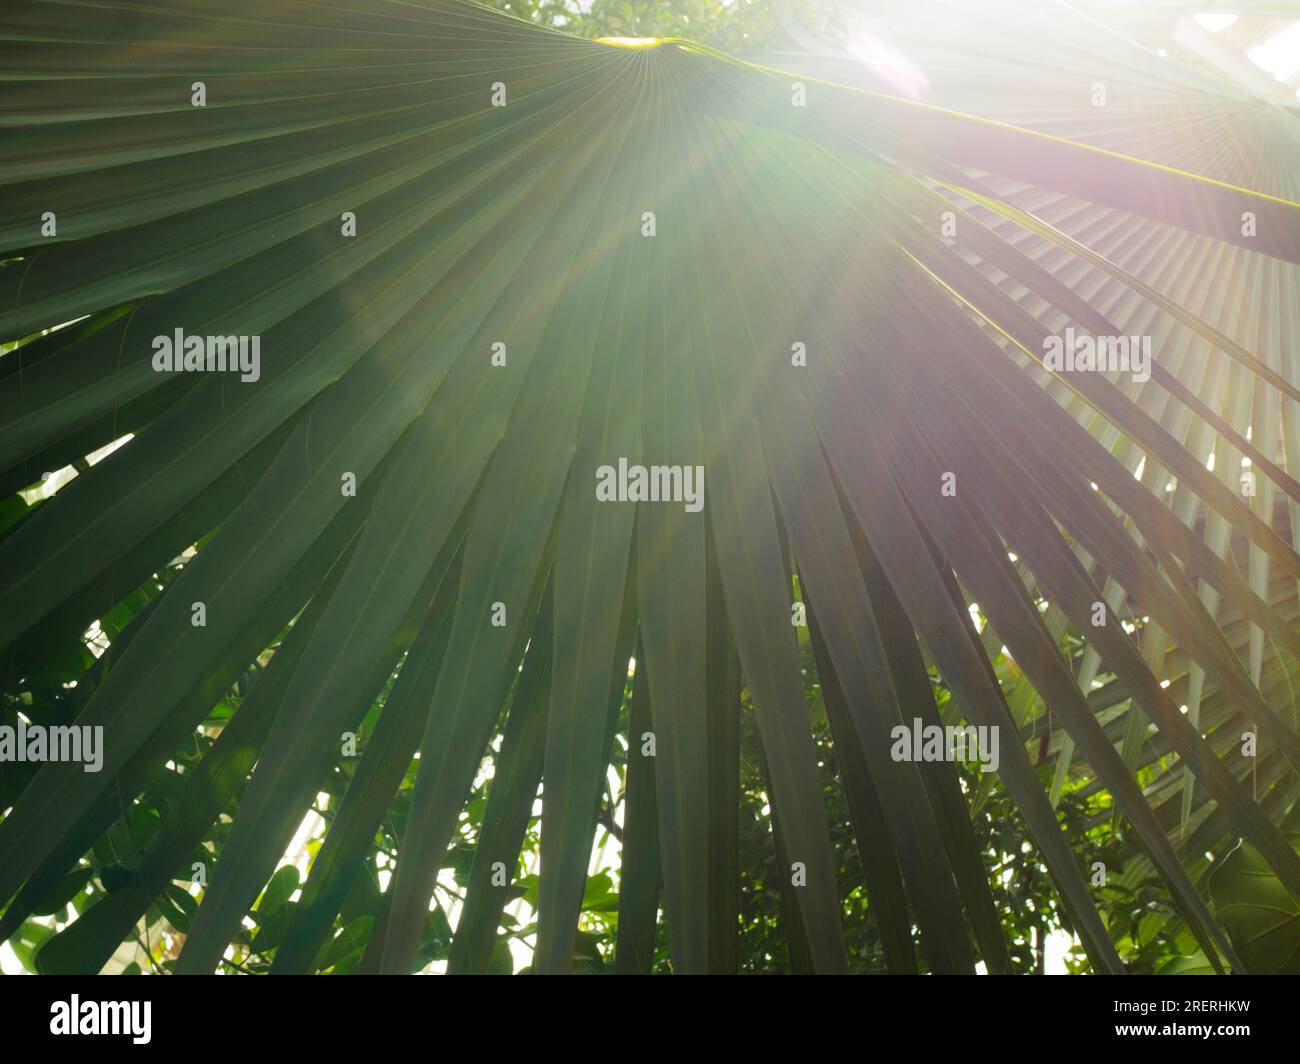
1261, 915
738, 26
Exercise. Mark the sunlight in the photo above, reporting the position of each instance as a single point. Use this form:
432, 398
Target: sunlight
1280, 54
887, 63
1214, 21
630, 42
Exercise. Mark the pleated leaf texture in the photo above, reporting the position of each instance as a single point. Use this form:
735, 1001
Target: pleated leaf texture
1062, 73
486, 280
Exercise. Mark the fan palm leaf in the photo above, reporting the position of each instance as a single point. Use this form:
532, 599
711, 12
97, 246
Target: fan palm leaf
568, 253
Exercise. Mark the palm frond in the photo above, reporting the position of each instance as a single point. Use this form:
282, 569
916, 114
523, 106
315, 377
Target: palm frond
568, 254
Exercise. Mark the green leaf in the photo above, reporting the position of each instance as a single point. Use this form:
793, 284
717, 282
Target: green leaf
1261, 915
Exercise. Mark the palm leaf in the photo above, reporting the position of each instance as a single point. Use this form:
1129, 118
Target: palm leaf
475, 561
